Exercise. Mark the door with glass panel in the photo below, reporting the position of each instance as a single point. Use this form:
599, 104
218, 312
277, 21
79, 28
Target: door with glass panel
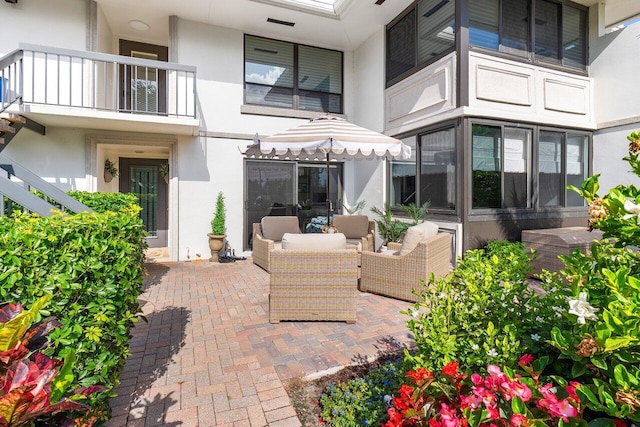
143, 89
142, 177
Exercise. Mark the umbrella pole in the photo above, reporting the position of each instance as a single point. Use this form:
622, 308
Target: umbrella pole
328, 193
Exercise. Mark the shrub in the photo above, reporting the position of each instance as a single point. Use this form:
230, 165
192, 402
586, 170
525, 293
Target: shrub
218, 223
483, 313
390, 229
361, 401
103, 202
93, 265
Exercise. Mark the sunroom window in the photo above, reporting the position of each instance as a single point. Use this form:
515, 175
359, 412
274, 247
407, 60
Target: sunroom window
544, 31
288, 75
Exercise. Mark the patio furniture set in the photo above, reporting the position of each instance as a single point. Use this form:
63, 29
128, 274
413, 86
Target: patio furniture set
317, 276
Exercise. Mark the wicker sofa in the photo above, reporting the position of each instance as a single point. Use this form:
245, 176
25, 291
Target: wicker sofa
267, 236
313, 277
397, 272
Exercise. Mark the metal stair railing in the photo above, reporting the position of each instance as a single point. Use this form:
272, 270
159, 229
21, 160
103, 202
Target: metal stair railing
22, 195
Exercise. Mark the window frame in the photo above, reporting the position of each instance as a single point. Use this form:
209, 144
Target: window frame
295, 89
533, 165
531, 57
417, 65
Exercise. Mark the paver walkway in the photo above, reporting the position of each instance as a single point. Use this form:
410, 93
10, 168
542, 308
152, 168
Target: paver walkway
208, 355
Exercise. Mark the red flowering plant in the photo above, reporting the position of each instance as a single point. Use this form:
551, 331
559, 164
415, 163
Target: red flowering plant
501, 398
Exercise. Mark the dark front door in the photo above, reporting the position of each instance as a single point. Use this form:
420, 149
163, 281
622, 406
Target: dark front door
143, 88
142, 177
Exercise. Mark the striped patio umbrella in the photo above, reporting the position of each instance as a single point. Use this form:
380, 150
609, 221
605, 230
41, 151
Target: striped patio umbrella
328, 138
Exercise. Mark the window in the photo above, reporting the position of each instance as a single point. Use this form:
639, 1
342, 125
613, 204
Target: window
424, 33
438, 169
562, 160
288, 75
403, 177
501, 165
558, 34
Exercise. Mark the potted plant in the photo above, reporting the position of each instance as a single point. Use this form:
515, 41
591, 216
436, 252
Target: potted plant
391, 229
218, 227
110, 170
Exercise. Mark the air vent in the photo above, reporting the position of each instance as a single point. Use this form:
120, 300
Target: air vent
277, 21
379, 2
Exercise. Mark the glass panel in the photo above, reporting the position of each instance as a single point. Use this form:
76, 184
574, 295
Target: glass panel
401, 46
517, 145
486, 183
319, 70
269, 65
269, 95
484, 25
144, 184
312, 195
438, 169
546, 31
550, 182
577, 166
270, 191
317, 101
515, 27
436, 22
574, 37
403, 177
144, 85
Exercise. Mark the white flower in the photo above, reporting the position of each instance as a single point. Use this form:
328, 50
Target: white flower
633, 209
581, 308
415, 313
442, 295
557, 309
475, 307
387, 400
475, 347
492, 353
539, 319
535, 337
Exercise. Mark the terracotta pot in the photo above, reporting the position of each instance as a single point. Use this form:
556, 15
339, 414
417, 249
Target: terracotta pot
216, 243
107, 176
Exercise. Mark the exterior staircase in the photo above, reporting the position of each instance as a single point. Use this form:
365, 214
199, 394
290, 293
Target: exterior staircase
16, 181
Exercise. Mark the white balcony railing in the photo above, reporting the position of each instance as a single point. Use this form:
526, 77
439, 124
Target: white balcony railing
98, 81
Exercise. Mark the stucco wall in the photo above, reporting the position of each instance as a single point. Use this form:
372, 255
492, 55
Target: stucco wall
59, 23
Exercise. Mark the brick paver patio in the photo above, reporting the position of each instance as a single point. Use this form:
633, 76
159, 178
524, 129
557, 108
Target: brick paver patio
208, 355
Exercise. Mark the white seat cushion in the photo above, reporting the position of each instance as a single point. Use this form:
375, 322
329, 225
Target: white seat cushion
316, 242
417, 234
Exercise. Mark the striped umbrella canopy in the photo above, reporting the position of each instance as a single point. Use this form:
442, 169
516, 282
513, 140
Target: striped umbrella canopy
328, 138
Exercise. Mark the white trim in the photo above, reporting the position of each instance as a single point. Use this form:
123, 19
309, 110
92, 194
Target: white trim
91, 151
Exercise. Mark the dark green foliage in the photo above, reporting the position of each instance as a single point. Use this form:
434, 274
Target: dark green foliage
486, 189
102, 202
390, 228
218, 223
93, 265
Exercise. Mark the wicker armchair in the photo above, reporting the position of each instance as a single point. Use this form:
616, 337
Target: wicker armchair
397, 276
267, 236
313, 285
358, 229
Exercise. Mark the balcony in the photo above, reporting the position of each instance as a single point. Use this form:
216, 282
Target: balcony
68, 88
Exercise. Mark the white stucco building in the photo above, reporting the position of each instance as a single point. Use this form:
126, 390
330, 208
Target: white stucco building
502, 114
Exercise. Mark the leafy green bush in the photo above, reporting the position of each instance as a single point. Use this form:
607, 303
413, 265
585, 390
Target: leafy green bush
483, 313
102, 202
361, 401
93, 265
602, 340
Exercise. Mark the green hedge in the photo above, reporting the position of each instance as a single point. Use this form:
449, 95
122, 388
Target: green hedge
102, 202
93, 265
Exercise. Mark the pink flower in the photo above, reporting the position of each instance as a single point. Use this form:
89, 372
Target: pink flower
571, 390
515, 388
448, 417
563, 409
518, 420
476, 379
526, 359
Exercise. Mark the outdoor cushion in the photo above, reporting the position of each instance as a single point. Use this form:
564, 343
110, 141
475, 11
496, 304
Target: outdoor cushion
416, 234
352, 226
314, 242
356, 243
273, 227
